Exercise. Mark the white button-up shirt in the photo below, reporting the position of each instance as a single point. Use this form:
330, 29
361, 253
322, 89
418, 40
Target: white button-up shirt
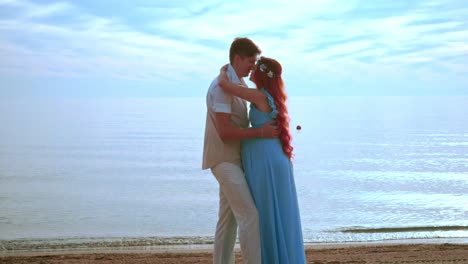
216, 150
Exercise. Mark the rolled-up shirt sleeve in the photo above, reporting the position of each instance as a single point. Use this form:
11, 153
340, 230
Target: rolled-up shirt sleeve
221, 101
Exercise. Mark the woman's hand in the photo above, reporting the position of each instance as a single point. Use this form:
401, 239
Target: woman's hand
222, 78
224, 68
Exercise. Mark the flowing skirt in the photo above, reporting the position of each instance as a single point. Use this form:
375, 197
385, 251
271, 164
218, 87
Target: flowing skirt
269, 174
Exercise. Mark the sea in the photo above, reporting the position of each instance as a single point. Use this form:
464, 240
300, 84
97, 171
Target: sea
128, 170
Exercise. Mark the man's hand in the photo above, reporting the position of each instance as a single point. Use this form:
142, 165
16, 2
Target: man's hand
270, 130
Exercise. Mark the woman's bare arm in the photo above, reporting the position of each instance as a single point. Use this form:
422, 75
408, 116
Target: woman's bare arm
250, 94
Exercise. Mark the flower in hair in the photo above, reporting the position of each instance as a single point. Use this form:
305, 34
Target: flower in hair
263, 68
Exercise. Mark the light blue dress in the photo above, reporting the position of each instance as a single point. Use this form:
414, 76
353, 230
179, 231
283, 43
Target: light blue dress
269, 174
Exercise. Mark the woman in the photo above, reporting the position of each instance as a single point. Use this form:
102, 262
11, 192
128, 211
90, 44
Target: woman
267, 164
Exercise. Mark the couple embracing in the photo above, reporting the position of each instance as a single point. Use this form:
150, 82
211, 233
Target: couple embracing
252, 163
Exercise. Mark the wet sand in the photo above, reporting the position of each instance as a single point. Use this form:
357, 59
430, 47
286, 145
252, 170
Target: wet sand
337, 254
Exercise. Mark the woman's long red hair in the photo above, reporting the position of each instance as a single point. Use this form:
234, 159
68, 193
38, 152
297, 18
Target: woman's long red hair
275, 86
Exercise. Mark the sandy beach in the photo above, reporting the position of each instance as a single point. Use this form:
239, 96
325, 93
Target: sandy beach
354, 253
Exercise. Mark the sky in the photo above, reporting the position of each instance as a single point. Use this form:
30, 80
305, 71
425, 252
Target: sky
148, 48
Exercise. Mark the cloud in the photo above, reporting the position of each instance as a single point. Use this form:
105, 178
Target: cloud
29, 9
182, 42
39, 11
99, 45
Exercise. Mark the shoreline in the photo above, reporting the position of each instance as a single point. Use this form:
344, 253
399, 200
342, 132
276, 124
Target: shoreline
122, 248
362, 253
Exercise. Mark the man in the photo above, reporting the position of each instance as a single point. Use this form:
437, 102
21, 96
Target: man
226, 125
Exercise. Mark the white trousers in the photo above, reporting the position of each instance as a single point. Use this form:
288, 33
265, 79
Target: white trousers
236, 208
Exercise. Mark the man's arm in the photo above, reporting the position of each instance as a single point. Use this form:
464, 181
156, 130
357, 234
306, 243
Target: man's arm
227, 131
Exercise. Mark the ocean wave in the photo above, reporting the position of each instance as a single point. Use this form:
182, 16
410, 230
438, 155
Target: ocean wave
402, 229
99, 242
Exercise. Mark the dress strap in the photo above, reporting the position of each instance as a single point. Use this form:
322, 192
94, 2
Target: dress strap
271, 103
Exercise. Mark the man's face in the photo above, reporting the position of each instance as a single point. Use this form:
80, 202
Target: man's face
246, 64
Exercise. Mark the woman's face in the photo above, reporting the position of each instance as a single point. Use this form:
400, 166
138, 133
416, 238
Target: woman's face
252, 73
